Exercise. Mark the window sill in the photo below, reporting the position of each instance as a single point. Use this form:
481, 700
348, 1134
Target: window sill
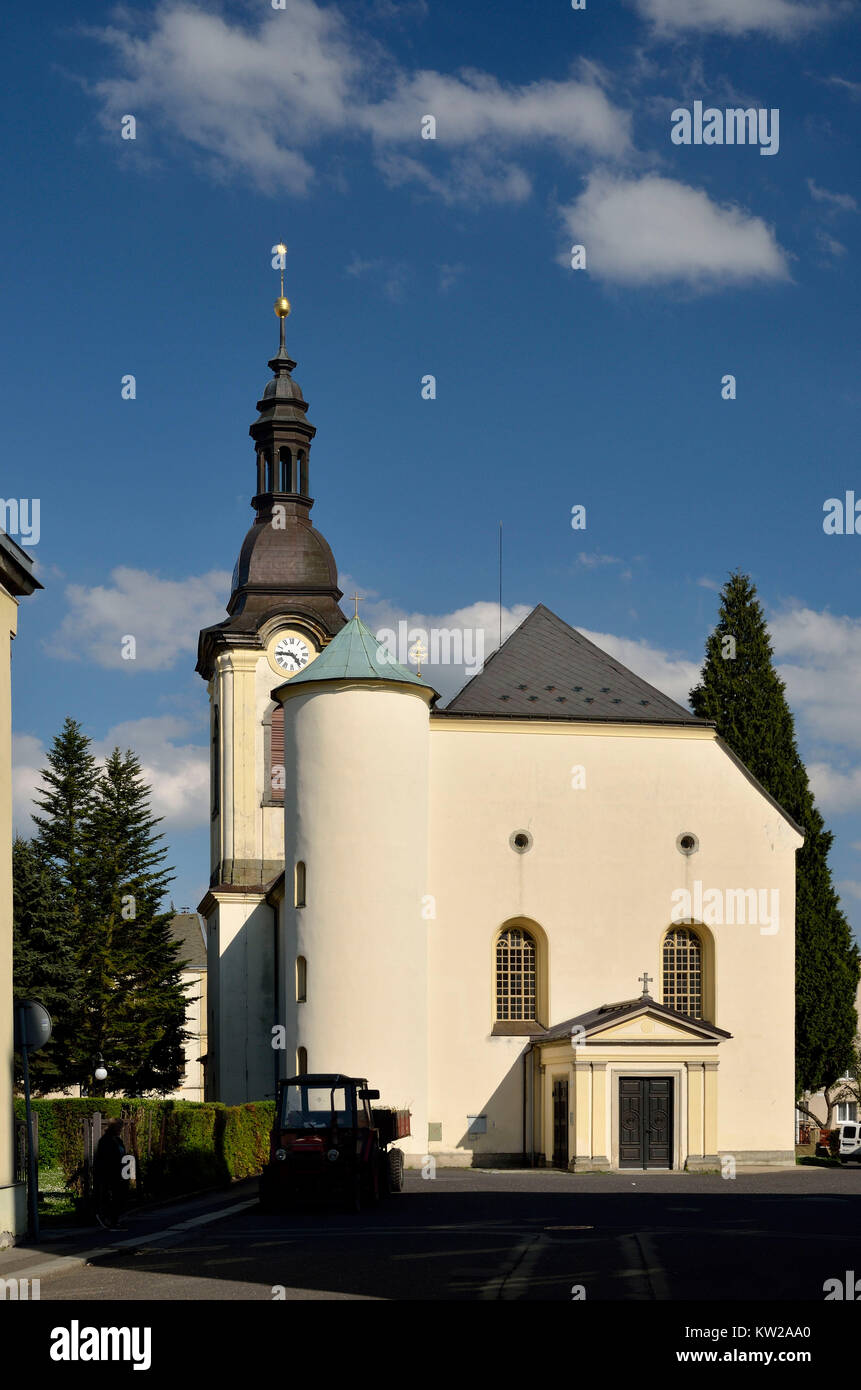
524, 1028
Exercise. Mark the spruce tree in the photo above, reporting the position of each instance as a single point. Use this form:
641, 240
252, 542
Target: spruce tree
131, 966
45, 961
741, 692
62, 841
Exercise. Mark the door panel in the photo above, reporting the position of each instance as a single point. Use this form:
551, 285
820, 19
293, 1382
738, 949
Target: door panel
646, 1122
560, 1124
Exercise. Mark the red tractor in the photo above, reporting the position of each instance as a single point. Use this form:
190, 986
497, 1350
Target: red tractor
327, 1140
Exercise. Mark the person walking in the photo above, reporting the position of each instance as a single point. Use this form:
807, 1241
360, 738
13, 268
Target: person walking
109, 1180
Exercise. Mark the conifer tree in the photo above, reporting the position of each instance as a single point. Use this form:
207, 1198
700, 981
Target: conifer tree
98, 847
740, 690
45, 960
62, 840
131, 966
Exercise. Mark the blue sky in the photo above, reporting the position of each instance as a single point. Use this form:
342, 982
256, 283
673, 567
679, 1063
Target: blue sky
449, 256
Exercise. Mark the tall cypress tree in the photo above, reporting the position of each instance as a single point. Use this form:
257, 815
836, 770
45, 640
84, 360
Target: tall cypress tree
741, 692
45, 960
135, 999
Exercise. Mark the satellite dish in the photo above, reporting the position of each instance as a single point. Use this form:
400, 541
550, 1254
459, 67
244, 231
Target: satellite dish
32, 1024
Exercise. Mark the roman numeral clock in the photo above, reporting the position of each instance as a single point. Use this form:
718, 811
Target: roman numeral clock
290, 651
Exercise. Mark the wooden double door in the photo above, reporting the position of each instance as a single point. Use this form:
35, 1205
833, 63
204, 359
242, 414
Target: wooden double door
645, 1122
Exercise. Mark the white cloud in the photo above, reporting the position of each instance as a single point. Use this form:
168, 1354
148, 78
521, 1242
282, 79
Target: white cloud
593, 558
259, 99
829, 245
163, 616
842, 201
706, 583
672, 675
819, 657
468, 179
853, 88
474, 107
653, 230
835, 792
177, 772
784, 19
666, 672
28, 759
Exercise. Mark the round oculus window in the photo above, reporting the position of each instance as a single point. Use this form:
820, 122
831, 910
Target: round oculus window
520, 841
687, 843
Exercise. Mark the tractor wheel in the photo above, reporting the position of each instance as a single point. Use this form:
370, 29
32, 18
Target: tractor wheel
396, 1170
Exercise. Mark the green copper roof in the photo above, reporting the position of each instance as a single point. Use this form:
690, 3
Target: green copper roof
355, 654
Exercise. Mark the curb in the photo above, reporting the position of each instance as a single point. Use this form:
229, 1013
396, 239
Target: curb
64, 1264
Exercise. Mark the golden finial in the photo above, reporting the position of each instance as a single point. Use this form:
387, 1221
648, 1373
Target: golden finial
282, 305
356, 598
417, 653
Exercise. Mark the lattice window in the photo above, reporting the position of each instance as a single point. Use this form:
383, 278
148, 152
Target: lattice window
516, 975
683, 972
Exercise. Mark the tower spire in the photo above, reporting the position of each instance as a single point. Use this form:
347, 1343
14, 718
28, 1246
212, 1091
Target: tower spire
282, 304
282, 433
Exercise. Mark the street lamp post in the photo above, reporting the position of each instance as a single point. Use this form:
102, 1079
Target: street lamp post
32, 1030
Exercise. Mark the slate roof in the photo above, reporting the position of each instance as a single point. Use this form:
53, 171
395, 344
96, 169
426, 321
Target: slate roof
548, 670
607, 1014
355, 654
187, 929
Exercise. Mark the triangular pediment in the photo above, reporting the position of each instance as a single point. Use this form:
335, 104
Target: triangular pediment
646, 1026
634, 1020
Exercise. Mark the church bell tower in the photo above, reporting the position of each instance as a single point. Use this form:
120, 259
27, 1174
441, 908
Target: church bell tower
282, 611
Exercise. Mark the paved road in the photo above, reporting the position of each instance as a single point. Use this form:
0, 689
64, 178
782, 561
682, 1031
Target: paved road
491, 1235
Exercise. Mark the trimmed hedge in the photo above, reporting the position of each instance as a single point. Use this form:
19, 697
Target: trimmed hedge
180, 1145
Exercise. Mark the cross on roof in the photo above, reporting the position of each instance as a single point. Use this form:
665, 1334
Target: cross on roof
647, 980
417, 653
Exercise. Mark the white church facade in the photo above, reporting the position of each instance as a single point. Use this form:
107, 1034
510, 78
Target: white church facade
555, 918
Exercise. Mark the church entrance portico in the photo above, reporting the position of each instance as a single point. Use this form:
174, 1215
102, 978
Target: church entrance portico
640, 1089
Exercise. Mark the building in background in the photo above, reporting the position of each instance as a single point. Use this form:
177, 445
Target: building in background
16, 581
187, 928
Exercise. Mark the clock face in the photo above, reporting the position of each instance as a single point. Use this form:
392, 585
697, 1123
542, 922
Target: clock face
292, 654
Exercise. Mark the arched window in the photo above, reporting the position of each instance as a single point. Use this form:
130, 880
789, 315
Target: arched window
301, 980
271, 480
301, 1061
683, 971
516, 975
286, 471
299, 885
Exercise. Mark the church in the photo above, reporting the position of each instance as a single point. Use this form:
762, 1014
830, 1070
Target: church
529, 916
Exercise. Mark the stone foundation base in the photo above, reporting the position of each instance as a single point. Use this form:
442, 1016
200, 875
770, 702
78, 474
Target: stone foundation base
444, 1158
597, 1163
13, 1213
702, 1163
773, 1158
